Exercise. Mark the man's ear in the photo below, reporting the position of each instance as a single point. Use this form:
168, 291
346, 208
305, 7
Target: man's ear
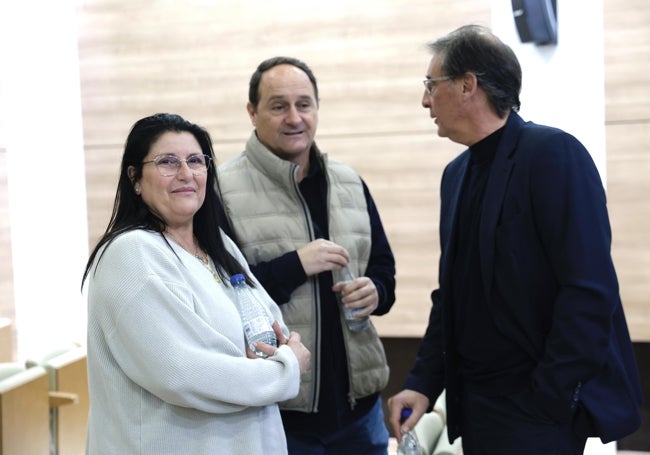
470, 83
251, 112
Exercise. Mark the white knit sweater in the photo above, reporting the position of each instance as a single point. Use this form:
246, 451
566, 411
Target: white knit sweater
168, 373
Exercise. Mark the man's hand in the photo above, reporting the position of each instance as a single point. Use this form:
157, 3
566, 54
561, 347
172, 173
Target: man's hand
359, 295
322, 255
416, 401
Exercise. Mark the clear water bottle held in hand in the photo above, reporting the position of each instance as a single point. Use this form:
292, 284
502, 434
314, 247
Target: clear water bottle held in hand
257, 326
354, 323
410, 444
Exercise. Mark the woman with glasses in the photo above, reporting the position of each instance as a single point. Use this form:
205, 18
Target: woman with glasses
168, 369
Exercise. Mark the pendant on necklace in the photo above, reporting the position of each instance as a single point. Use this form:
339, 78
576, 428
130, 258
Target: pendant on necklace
206, 263
205, 260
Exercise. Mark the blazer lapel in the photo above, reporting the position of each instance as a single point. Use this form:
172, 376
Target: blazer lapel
450, 191
493, 197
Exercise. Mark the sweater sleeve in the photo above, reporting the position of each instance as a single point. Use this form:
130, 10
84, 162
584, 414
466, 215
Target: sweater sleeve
160, 332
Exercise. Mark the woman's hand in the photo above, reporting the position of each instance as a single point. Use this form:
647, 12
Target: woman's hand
264, 348
299, 350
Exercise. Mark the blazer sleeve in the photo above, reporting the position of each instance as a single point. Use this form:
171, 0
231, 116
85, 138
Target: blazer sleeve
427, 376
571, 220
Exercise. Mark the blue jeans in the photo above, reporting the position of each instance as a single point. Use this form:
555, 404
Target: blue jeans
366, 436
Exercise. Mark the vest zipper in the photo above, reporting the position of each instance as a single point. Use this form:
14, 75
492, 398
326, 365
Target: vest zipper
313, 406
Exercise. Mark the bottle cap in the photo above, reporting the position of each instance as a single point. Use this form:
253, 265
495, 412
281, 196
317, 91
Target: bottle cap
237, 278
406, 413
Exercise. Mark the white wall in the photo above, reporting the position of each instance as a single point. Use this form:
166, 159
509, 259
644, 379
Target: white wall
40, 122
564, 85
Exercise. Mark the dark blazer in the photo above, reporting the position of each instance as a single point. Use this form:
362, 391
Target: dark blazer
544, 245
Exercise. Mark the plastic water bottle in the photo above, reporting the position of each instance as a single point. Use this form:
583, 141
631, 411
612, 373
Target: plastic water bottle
410, 444
254, 317
354, 323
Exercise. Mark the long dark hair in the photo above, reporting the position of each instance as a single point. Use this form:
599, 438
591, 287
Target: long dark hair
130, 212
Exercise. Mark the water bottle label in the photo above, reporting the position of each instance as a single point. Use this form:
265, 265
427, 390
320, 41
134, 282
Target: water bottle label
258, 329
256, 325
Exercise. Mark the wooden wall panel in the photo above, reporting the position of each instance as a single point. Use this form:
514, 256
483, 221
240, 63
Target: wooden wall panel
138, 58
627, 62
403, 174
627, 112
142, 57
628, 168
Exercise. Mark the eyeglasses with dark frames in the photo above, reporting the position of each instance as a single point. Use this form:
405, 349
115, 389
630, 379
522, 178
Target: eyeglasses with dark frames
169, 165
430, 83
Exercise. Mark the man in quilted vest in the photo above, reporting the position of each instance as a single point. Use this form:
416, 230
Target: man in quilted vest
300, 219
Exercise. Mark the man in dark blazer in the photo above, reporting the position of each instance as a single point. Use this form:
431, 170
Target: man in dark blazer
527, 332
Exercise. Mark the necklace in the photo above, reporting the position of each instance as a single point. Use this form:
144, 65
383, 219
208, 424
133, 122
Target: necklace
203, 258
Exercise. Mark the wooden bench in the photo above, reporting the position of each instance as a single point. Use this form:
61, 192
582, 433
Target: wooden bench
24, 410
69, 401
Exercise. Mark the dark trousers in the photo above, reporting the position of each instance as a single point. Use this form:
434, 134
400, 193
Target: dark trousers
366, 436
513, 425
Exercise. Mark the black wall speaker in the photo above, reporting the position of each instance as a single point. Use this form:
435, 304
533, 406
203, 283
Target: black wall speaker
536, 20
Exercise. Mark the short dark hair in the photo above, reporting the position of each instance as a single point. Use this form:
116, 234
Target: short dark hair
129, 210
254, 84
475, 49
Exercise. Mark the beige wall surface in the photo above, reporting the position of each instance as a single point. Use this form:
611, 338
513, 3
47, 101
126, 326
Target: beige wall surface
143, 57
137, 58
627, 126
